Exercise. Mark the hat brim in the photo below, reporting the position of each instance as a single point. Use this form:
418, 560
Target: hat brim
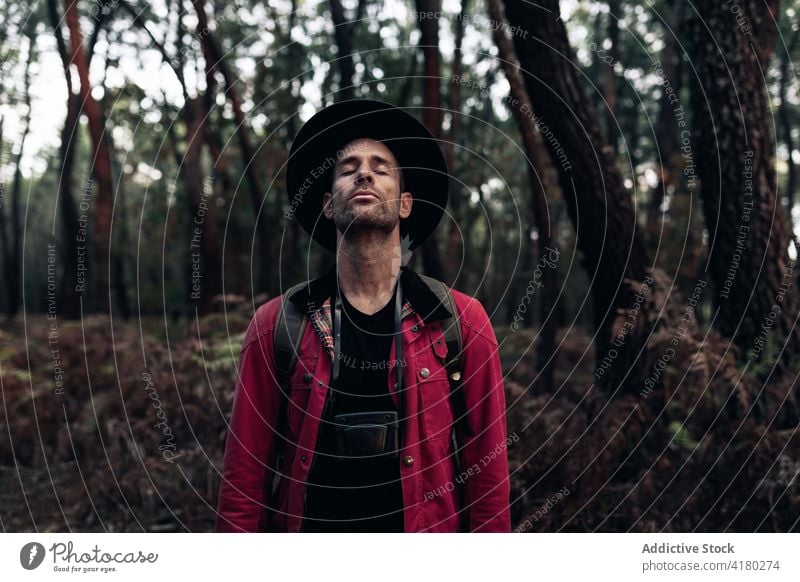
319, 144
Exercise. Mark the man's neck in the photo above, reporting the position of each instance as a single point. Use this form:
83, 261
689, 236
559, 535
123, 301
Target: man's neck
368, 266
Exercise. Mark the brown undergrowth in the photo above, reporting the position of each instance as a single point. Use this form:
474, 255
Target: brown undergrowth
675, 436
134, 440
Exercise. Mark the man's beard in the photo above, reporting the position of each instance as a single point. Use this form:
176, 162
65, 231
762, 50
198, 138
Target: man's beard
352, 221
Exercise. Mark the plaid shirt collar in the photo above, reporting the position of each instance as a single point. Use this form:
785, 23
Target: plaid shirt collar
315, 299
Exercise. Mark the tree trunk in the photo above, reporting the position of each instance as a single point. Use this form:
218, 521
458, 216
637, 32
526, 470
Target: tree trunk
204, 264
14, 270
294, 269
786, 124
453, 225
68, 212
429, 43
101, 163
343, 33
666, 134
432, 114
610, 77
599, 206
748, 258
541, 175
5, 243
408, 85
212, 53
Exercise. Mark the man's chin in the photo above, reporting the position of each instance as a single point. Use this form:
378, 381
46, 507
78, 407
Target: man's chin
365, 224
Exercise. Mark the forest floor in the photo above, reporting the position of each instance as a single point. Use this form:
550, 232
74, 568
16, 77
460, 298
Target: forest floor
130, 437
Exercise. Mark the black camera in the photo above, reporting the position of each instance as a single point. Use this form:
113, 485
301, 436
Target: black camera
367, 434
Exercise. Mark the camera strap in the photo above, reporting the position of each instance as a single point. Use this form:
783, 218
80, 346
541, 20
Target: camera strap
398, 342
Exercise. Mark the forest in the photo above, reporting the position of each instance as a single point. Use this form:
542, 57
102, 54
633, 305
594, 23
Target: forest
622, 202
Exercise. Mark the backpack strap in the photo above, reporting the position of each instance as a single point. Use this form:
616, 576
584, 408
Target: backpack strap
290, 326
451, 326
289, 330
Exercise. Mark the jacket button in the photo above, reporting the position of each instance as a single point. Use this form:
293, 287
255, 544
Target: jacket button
424, 372
414, 328
303, 458
408, 461
307, 378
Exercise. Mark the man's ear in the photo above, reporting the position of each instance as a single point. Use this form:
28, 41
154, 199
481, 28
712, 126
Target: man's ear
406, 202
327, 207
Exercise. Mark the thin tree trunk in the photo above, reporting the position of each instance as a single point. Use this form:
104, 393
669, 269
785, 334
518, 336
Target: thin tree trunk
295, 230
787, 77
343, 33
68, 212
118, 275
599, 206
666, 127
5, 243
203, 261
454, 233
541, 176
429, 43
408, 85
204, 265
432, 114
14, 272
596, 64
212, 53
610, 77
101, 162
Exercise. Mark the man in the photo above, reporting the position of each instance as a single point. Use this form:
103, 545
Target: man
356, 436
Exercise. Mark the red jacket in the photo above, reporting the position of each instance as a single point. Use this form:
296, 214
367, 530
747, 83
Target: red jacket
264, 476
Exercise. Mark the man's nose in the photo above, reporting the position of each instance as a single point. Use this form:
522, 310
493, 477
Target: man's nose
364, 175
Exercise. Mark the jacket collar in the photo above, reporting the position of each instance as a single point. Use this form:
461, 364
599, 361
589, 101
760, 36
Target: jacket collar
417, 297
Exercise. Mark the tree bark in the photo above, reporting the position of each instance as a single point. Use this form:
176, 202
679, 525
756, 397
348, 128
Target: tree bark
666, 134
343, 33
101, 163
610, 77
14, 257
68, 304
118, 258
5, 243
454, 232
204, 264
786, 124
212, 53
432, 114
748, 258
598, 204
541, 175
408, 85
206, 279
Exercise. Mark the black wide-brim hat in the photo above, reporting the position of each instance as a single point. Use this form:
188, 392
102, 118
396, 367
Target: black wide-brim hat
318, 145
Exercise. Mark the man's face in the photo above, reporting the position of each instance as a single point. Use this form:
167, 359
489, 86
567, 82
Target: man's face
366, 190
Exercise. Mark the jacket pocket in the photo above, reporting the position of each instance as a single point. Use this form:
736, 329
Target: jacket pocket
434, 398
302, 381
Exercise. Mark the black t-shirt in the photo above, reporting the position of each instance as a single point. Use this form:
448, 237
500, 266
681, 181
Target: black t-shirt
357, 495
